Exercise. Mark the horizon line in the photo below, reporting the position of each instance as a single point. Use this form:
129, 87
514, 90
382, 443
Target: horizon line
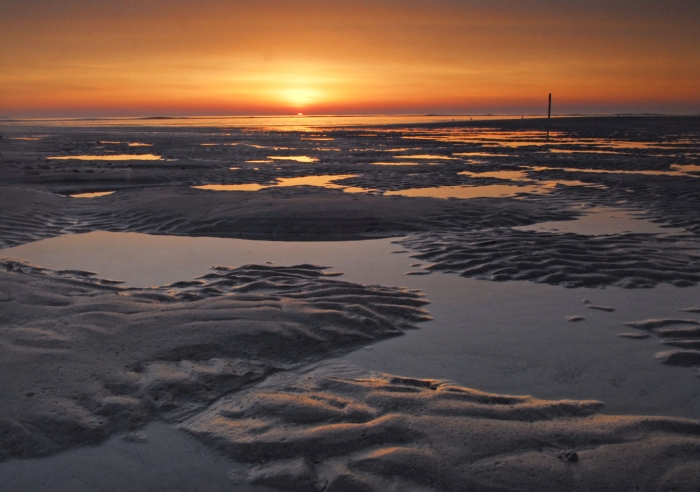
7, 118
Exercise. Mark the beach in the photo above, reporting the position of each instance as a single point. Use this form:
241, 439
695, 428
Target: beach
315, 304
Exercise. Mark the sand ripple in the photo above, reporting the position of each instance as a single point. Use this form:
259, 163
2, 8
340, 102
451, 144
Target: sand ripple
681, 333
571, 260
389, 433
82, 358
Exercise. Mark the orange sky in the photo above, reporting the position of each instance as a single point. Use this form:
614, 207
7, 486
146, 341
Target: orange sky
148, 57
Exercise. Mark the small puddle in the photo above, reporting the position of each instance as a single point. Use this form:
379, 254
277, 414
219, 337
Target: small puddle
296, 158
481, 154
492, 191
326, 181
521, 176
603, 221
608, 171
395, 163
465, 192
112, 157
582, 151
234, 187
686, 168
91, 195
511, 175
425, 156
323, 181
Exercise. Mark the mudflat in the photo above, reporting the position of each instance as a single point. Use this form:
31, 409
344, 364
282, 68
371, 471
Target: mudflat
231, 356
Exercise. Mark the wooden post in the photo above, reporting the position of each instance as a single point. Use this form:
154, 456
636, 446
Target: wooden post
549, 114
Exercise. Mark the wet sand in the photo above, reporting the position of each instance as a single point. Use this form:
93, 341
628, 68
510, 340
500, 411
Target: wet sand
223, 356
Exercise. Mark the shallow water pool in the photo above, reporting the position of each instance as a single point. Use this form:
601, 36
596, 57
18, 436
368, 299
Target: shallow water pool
500, 337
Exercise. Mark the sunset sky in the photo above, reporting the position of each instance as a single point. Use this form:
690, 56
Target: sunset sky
221, 57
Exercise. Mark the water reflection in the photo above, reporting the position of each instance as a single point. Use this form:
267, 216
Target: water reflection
521, 176
600, 221
466, 192
91, 195
111, 157
582, 151
297, 158
235, 187
512, 175
616, 171
396, 163
481, 154
323, 181
686, 168
558, 142
424, 156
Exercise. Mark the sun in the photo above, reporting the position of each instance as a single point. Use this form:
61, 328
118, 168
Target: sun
300, 97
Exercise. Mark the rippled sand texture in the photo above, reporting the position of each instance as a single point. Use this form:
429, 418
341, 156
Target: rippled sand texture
278, 214
82, 358
571, 260
386, 433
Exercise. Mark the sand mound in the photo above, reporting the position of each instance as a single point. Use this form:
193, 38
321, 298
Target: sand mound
390, 433
285, 213
82, 358
571, 260
681, 333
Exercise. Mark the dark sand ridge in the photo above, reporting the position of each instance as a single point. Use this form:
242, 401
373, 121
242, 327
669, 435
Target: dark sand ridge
308, 213
83, 358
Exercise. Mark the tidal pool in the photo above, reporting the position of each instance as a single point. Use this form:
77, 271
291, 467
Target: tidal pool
598, 221
324, 181
109, 157
425, 156
466, 192
91, 195
502, 337
678, 173
296, 158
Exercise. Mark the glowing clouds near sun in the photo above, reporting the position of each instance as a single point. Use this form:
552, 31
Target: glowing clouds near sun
80, 57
